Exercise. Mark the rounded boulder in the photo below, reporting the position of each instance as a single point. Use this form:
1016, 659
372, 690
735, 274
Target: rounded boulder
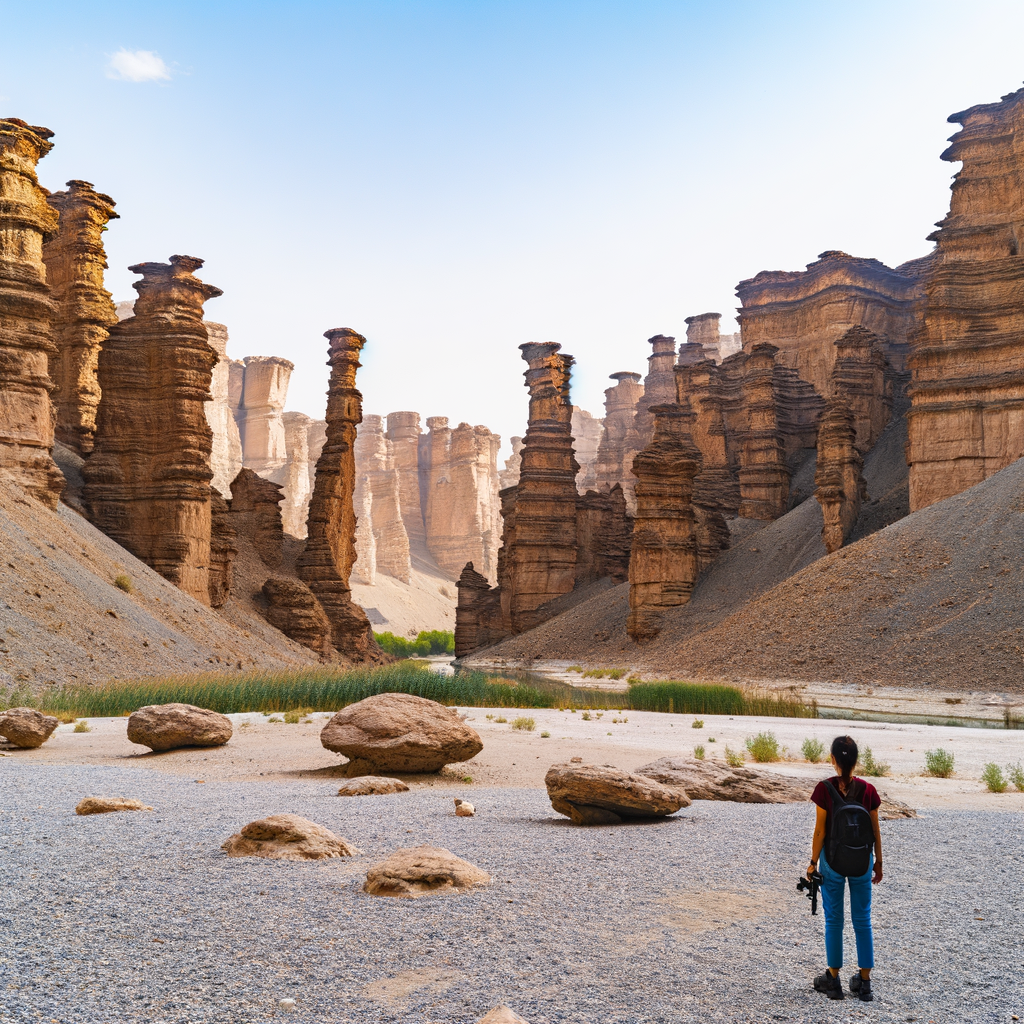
170, 726
26, 727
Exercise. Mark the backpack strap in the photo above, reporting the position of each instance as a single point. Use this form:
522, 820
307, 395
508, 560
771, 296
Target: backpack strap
837, 798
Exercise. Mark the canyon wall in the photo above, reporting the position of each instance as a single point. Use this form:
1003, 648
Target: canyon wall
26, 311
587, 431
226, 453
260, 412
147, 480
966, 420
83, 309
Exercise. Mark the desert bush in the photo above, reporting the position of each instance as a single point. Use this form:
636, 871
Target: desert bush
813, 750
711, 739
869, 766
82, 726
764, 747
616, 673
698, 752
501, 720
545, 735
697, 723
586, 716
575, 668
524, 724
275, 719
594, 673
733, 758
993, 777
1016, 773
939, 763
124, 582
296, 715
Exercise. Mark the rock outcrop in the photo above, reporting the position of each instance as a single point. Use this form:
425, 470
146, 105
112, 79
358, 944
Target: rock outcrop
399, 732
83, 309
619, 438
260, 413
604, 536
509, 476
864, 380
372, 785
603, 795
26, 311
403, 432
659, 385
294, 610
715, 780
287, 837
147, 481
109, 804
967, 391
703, 340
420, 870
226, 453
256, 515
478, 616
295, 477
223, 549
326, 561
839, 475
26, 727
587, 431
170, 726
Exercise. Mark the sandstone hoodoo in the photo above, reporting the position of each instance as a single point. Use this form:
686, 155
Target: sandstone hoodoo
147, 481
293, 609
170, 726
287, 837
420, 870
401, 733
256, 514
839, 476
26, 310
372, 785
84, 310
26, 727
109, 804
603, 795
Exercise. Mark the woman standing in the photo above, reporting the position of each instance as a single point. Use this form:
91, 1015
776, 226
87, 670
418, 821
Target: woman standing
849, 843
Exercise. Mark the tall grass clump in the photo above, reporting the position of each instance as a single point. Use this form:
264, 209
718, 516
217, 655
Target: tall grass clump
875, 769
764, 747
713, 699
1016, 773
993, 777
733, 758
939, 763
813, 750
428, 642
524, 724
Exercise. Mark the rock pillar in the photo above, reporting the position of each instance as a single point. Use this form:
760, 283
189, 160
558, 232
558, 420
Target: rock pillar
860, 376
226, 457
839, 478
509, 476
26, 345
619, 438
764, 476
84, 310
147, 481
663, 565
659, 384
404, 434
264, 392
296, 482
256, 515
326, 562
587, 430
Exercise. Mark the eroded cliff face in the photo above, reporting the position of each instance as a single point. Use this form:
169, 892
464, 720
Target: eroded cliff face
223, 549
83, 309
703, 331
967, 390
26, 311
620, 440
404, 434
226, 454
326, 562
147, 480
587, 430
509, 476
260, 413
839, 475
659, 385
294, 476
256, 515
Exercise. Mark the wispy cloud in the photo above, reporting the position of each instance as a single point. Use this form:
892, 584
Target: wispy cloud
137, 66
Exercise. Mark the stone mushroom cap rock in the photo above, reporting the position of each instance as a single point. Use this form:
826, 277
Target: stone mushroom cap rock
416, 871
601, 794
106, 804
26, 727
372, 785
287, 837
169, 726
464, 809
401, 733
502, 1015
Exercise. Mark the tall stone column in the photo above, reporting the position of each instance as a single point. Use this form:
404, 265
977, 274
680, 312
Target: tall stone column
226, 458
296, 482
764, 476
619, 438
838, 477
663, 564
26, 345
75, 261
539, 561
264, 392
147, 481
375, 463
859, 376
326, 562
404, 434
587, 430
659, 384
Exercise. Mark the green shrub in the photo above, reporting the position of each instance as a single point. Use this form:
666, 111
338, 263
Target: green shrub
939, 763
876, 769
585, 716
813, 750
733, 758
524, 724
711, 739
993, 777
698, 752
575, 668
296, 715
434, 641
594, 673
124, 582
1016, 773
501, 720
616, 673
698, 723
82, 726
764, 747
545, 735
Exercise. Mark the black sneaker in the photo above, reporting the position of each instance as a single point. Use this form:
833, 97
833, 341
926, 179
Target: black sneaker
861, 987
831, 986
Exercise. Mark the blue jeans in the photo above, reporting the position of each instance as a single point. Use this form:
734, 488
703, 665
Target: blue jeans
833, 890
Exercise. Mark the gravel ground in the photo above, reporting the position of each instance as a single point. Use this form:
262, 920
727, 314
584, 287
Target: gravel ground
140, 917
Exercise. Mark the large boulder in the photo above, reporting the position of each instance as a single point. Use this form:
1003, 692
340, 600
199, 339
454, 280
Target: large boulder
400, 733
170, 726
287, 837
372, 785
26, 727
419, 870
603, 795
108, 804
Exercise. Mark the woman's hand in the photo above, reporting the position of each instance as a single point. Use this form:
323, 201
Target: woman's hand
877, 876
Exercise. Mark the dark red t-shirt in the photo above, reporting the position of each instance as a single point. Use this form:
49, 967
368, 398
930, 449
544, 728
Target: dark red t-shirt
866, 793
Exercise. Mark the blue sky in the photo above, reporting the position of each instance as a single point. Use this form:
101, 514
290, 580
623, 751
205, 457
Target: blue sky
453, 179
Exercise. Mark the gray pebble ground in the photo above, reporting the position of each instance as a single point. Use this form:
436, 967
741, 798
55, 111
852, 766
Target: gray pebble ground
690, 919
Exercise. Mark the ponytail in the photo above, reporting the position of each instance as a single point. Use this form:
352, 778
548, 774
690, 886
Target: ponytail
844, 750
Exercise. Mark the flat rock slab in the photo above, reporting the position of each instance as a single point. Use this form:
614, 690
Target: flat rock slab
108, 804
372, 785
287, 837
604, 795
502, 1015
401, 733
26, 727
170, 726
416, 871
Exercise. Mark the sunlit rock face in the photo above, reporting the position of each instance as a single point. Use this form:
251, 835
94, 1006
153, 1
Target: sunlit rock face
226, 454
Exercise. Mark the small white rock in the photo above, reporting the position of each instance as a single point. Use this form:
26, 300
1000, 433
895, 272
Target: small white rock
463, 808
286, 1004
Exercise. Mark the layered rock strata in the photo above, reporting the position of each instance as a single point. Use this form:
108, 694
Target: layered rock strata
839, 475
223, 549
619, 438
703, 336
403, 432
260, 412
862, 377
659, 385
326, 562
226, 454
84, 310
966, 420
294, 610
256, 515
147, 481
587, 430
294, 476
26, 311
509, 476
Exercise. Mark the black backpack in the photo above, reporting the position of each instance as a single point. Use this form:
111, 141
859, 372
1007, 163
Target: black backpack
852, 837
